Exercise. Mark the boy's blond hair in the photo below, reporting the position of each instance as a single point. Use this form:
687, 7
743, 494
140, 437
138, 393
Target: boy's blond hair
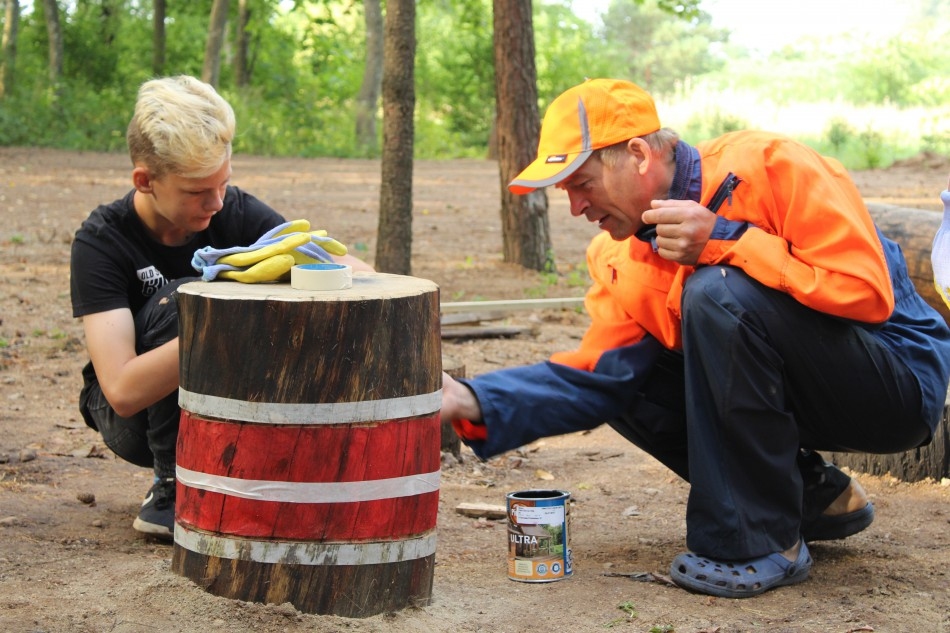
181, 126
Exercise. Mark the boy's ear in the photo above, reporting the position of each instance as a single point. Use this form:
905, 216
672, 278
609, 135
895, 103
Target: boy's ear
142, 180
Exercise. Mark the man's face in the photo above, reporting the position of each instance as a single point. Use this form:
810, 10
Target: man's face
189, 203
612, 196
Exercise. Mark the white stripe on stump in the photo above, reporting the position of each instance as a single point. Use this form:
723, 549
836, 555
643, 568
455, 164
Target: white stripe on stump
310, 413
312, 492
305, 553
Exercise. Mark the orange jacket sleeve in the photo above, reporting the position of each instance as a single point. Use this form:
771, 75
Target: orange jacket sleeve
810, 233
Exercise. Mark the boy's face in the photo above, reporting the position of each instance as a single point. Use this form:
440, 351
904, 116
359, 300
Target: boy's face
186, 204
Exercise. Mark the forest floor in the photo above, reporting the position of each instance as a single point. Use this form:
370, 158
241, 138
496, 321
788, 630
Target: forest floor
70, 561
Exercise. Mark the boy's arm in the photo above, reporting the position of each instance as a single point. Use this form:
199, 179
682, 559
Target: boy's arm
129, 382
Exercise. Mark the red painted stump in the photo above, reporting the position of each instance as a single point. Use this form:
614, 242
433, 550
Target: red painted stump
308, 452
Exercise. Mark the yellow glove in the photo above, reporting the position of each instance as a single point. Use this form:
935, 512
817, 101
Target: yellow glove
274, 268
249, 258
318, 249
293, 238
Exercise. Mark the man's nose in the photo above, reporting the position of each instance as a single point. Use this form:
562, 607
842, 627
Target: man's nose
579, 204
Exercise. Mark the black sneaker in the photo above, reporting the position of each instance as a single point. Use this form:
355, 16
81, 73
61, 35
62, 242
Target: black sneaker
157, 516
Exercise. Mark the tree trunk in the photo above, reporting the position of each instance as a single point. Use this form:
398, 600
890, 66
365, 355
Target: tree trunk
368, 97
11, 22
394, 242
55, 33
110, 13
210, 72
242, 68
526, 233
158, 37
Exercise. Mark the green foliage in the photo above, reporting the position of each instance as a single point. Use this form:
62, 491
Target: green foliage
839, 132
567, 50
307, 59
658, 50
630, 613
455, 80
901, 71
872, 142
702, 125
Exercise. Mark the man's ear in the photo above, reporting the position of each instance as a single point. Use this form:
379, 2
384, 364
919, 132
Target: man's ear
641, 152
142, 179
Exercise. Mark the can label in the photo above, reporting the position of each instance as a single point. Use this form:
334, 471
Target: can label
538, 535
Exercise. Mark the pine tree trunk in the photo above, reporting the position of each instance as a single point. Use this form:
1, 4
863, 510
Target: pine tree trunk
394, 241
11, 22
55, 33
526, 232
368, 98
212, 65
242, 68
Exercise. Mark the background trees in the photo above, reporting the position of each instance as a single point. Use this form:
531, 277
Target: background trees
294, 69
304, 77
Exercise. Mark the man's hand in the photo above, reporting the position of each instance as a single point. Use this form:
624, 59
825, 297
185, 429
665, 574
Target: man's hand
682, 229
458, 401
461, 408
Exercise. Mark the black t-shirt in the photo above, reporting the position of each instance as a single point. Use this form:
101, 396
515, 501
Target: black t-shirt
115, 263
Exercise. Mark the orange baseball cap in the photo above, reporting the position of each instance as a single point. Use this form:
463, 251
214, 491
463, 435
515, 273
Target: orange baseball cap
595, 114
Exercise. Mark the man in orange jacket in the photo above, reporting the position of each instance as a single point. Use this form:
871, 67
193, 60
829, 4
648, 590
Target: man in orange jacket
745, 312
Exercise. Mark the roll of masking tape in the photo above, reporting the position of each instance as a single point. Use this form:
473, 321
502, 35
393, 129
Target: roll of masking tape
321, 277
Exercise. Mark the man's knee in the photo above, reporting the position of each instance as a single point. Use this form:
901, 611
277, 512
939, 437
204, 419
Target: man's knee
723, 293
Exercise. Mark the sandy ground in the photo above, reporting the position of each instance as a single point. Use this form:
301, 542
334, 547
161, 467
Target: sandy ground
70, 561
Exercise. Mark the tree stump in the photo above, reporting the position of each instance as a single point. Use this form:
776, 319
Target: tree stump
914, 230
451, 443
308, 451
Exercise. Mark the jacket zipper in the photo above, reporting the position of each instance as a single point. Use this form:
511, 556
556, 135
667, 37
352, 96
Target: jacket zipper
724, 192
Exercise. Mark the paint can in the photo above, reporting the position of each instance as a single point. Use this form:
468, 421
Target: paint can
539, 546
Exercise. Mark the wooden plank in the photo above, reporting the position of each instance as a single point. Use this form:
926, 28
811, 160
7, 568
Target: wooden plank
511, 305
484, 331
471, 318
479, 510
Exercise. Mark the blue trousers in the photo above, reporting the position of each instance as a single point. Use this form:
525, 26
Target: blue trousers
149, 437
761, 376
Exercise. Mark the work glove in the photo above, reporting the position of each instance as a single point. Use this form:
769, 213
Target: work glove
271, 257
940, 253
470, 431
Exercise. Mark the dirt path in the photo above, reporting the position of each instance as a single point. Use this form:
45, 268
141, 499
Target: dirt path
70, 562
